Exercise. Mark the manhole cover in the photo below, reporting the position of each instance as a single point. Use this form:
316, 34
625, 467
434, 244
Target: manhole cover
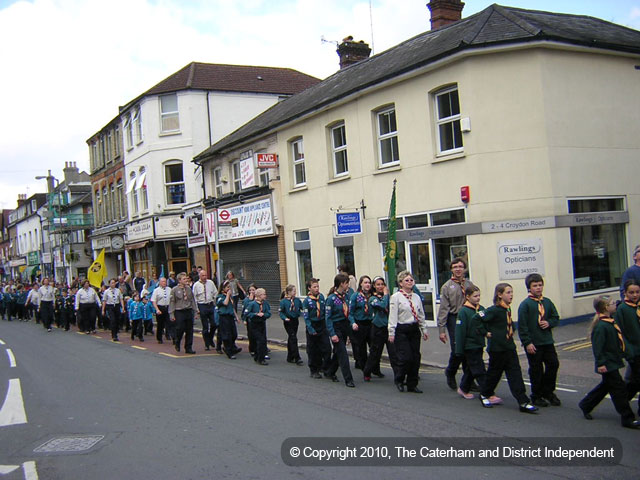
74, 443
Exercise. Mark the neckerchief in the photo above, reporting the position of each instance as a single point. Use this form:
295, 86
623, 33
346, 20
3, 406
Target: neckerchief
468, 304
610, 320
637, 307
317, 300
293, 305
365, 298
260, 303
409, 296
509, 319
345, 307
538, 300
459, 282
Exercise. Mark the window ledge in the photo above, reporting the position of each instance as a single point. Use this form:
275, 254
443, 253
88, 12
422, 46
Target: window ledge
382, 170
591, 293
168, 134
444, 157
301, 188
339, 179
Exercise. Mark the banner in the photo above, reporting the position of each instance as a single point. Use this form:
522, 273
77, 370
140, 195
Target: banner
97, 271
390, 250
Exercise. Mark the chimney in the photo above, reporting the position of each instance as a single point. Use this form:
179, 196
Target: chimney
351, 52
444, 12
71, 173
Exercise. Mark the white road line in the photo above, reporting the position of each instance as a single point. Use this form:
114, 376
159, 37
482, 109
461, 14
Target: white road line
2, 343
6, 469
557, 388
12, 411
30, 471
12, 358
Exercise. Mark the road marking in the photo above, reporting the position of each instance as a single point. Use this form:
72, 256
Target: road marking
576, 346
139, 348
557, 388
12, 411
12, 358
1, 342
168, 355
581, 347
5, 469
30, 471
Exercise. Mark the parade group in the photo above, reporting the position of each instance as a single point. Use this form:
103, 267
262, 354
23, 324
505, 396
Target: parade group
367, 315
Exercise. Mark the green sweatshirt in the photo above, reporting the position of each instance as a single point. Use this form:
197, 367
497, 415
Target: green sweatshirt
528, 328
494, 320
467, 335
629, 322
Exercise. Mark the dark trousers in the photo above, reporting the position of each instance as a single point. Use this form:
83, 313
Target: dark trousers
379, 338
508, 363
407, 343
318, 348
259, 329
612, 384
162, 322
252, 341
87, 320
207, 317
184, 326
291, 327
455, 360
46, 314
633, 386
148, 326
228, 333
112, 313
65, 318
340, 357
361, 344
543, 370
137, 329
476, 370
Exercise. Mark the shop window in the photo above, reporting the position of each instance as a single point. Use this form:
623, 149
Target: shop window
445, 250
303, 257
345, 256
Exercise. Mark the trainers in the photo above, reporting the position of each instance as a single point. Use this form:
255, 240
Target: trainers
539, 402
486, 403
466, 396
553, 399
528, 408
495, 400
367, 379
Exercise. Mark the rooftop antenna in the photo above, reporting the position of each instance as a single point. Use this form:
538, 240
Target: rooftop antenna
373, 50
324, 40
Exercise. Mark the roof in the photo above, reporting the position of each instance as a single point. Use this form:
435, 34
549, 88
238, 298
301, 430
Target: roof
493, 26
232, 78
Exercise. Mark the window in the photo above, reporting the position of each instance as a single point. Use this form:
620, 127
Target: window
98, 206
106, 211
169, 120
133, 191
109, 146
128, 129
303, 255
297, 154
103, 152
339, 150
94, 155
264, 177
448, 121
174, 183
113, 204
217, 181
598, 251
387, 137
117, 141
344, 256
237, 179
142, 186
137, 124
121, 199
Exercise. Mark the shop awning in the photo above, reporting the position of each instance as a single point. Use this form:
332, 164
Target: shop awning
140, 182
135, 246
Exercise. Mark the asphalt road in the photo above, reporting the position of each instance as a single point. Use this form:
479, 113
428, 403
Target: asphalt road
118, 412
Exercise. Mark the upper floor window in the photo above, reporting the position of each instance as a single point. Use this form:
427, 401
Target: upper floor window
128, 131
174, 183
113, 203
137, 124
297, 155
169, 120
106, 211
142, 187
122, 208
339, 150
449, 135
109, 146
387, 137
133, 191
237, 176
217, 181
97, 200
116, 143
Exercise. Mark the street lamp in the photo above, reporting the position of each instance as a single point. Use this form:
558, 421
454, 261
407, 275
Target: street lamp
51, 188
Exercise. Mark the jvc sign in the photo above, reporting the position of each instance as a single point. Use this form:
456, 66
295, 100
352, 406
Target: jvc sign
348, 223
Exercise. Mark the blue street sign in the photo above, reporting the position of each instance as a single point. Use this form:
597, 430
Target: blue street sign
348, 223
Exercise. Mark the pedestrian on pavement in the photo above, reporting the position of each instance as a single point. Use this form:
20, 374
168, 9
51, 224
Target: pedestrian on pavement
251, 295
452, 297
628, 319
112, 307
407, 323
631, 273
227, 319
182, 307
379, 306
537, 316
205, 292
258, 312
237, 290
87, 304
318, 345
339, 328
503, 358
290, 311
360, 316
139, 282
608, 351
160, 302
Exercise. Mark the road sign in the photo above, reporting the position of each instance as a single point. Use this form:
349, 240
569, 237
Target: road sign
224, 216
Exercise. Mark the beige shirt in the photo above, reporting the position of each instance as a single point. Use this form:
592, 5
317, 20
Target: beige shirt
400, 312
205, 292
451, 301
181, 298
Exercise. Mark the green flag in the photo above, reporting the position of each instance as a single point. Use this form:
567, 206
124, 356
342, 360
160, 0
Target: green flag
390, 251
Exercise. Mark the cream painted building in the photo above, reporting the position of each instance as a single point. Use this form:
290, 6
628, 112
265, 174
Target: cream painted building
532, 115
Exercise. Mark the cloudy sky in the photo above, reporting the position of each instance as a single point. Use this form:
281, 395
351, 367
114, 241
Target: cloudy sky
68, 64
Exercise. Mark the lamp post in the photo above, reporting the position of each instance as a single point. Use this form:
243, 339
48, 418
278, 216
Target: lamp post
51, 189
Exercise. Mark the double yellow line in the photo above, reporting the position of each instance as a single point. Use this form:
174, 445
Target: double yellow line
577, 346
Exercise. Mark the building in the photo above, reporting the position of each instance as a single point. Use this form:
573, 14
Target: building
27, 237
163, 129
509, 134
5, 244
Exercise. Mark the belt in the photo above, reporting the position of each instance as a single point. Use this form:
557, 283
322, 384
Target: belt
207, 304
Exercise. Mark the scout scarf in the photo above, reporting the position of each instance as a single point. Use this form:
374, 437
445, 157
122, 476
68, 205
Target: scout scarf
468, 304
380, 297
408, 296
538, 300
365, 299
637, 307
317, 300
345, 307
459, 282
509, 319
610, 320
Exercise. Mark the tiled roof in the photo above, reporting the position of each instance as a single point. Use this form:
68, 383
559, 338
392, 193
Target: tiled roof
232, 78
495, 25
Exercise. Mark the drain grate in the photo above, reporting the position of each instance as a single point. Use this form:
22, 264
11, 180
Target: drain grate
73, 443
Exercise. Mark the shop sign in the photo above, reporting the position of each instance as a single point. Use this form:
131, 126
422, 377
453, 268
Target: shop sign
267, 160
519, 258
46, 258
348, 223
242, 221
171, 227
142, 230
247, 173
18, 262
195, 226
33, 258
100, 243
518, 225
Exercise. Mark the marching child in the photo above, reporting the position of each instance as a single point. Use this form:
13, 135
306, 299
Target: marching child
227, 321
609, 351
360, 317
251, 296
258, 312
134, 307
318, 346
503, 358
628, 318
379, 306
290, 311
147, 314
537, 315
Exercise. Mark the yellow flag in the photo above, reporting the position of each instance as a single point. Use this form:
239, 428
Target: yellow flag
97, 271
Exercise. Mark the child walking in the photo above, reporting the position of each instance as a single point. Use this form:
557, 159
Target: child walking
258, 312
318, 346
290, 311
135, 309
628, 318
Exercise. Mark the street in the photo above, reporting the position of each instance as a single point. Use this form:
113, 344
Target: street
96, 409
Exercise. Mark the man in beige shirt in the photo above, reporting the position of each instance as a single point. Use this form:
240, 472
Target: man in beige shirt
182, 307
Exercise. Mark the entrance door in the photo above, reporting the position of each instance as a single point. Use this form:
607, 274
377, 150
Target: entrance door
419, 264
179, 266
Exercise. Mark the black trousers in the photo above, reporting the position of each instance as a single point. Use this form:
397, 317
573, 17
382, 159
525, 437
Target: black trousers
228, 333
291, 327
137, 329
455, 360
361, 344
259, 329
162, 322
633, 386
252, 341
87, 320
112, 313
508, 363
612, 384
340, 357
318, 348
46, 314
543, 370
207, 317
407, 343
66, 317
379, 338
476, 370
184, 326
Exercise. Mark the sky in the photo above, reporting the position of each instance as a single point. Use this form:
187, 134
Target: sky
67, 65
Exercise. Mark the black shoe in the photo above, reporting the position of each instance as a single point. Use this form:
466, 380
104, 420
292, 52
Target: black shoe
414, 390
142, 339
486, 403
539, 402
207, 349
634, 424
219, 350
315, 375
299, 362
237, 350
191, 352
160, 342
378, 374
400, 387
263, 362
232, 357
115, 339
350, 384
528, 408
451, 380
474, 387
553, 399
175, 345
333, 378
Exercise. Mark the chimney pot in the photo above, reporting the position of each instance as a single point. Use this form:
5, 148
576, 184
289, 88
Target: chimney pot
444, 12
351, 52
